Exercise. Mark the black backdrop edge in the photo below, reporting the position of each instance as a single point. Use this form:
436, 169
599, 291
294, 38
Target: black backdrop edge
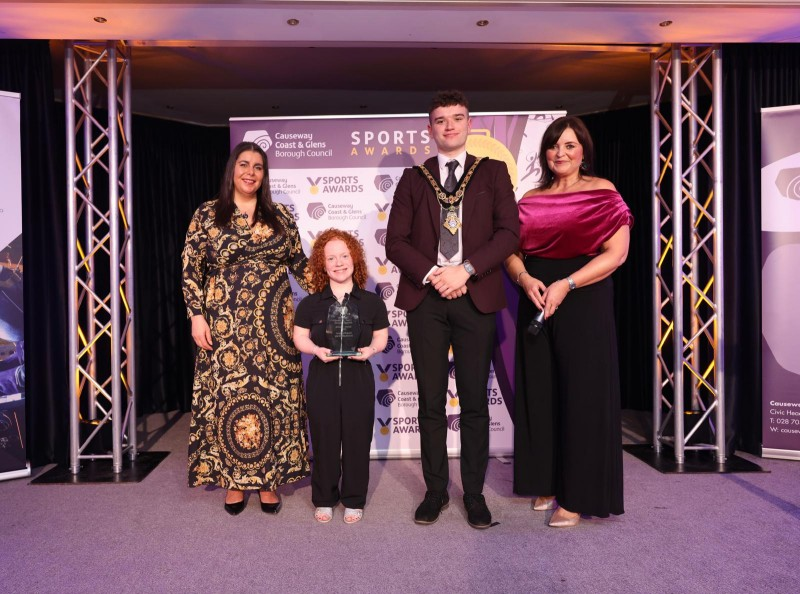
25, 68
755, 76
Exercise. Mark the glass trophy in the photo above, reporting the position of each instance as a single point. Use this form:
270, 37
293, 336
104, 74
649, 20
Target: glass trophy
343, 329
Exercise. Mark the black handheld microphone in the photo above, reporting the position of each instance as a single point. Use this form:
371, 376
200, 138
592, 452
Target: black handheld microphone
536, 323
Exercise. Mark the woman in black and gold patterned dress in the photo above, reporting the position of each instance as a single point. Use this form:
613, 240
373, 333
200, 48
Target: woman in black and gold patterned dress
248, 408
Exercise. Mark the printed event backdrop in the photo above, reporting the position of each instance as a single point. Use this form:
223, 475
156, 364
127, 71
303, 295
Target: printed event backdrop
13, 462
341, 172
780, 283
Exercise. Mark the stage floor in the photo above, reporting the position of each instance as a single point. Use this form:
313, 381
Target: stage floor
736, 532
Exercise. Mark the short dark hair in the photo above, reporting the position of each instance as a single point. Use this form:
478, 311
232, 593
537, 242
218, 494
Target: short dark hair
550, 138
446, 99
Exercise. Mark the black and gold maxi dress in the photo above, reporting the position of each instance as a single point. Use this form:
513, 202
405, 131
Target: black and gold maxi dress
248, 426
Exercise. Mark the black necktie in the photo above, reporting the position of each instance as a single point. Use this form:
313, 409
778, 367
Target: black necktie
448, 242
450, 182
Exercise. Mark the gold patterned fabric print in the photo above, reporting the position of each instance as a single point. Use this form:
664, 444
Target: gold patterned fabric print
248, 426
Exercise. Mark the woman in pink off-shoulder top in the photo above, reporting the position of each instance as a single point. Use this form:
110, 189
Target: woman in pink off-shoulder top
575, 230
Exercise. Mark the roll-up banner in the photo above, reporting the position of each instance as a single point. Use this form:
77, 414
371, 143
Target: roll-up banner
780, 282
341, 172
13, 458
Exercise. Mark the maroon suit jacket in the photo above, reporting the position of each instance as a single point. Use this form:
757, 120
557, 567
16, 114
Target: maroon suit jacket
489, 233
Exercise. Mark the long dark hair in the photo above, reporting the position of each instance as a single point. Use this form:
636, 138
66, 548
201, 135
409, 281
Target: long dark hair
265, 208
550, 138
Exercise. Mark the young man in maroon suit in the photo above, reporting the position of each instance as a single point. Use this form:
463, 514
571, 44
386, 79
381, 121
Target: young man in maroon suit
452, 224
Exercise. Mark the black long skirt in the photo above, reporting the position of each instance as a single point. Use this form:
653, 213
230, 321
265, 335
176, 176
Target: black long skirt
567, 432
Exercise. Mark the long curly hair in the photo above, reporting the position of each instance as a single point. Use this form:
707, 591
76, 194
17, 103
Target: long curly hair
316, 261
550, 138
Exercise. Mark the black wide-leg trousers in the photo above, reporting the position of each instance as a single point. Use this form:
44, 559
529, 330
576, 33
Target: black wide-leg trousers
434, 326
567, 427
341, 419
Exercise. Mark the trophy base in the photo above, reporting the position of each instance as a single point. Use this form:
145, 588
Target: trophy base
343, 353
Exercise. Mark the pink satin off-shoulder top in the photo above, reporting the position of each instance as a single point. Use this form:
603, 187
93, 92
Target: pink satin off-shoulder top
572, 224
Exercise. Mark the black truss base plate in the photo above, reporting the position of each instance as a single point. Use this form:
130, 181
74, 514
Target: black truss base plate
102, 471
696, 461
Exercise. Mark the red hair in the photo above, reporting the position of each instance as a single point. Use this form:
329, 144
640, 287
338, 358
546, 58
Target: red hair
316, 262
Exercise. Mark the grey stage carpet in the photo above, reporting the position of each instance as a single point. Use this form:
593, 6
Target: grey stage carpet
680, 533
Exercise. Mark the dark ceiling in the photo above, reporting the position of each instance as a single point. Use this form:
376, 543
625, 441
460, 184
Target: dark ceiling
210, 84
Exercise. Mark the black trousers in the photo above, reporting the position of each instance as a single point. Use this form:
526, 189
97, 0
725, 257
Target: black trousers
567, 428
341, 419
434, 326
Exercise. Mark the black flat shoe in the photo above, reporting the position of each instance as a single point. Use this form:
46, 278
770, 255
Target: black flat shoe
271, 508
478, 515
235, 509
430, 508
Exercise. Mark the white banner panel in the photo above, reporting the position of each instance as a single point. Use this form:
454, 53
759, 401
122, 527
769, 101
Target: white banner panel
13, 462
780, 282
341, 172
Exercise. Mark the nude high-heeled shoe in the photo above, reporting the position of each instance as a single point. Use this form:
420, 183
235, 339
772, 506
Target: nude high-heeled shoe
544, 503
560, 519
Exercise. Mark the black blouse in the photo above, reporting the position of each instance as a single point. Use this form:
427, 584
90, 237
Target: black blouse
312, 313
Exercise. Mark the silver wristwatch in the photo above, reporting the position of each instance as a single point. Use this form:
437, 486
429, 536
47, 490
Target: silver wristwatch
468, 267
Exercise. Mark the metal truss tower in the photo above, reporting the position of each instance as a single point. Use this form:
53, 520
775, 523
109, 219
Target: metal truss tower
100, 231
688, 385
